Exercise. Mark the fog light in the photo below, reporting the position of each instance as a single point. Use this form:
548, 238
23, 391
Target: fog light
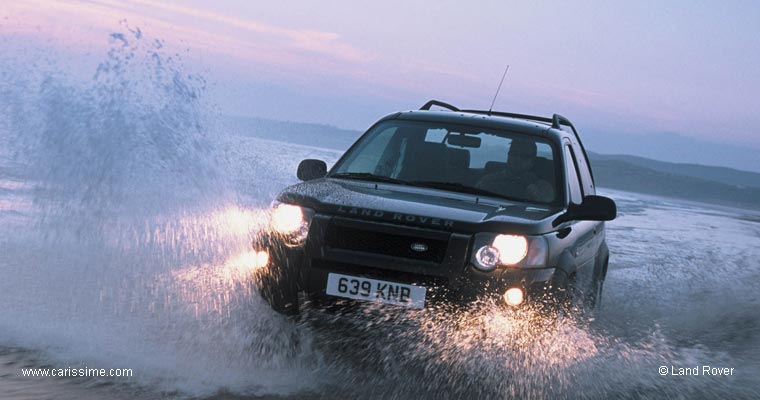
513, 296
262, 259
487, 258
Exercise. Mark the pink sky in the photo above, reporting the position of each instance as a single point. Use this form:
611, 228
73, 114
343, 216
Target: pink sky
642, 67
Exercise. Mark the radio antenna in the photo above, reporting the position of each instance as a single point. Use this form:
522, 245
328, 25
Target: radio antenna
498, 89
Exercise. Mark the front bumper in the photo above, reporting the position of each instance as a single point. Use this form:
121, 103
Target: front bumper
453, 280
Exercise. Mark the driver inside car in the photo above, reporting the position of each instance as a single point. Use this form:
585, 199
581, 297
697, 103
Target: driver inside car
517, 180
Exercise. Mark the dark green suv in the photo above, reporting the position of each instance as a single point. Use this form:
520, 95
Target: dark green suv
442, 206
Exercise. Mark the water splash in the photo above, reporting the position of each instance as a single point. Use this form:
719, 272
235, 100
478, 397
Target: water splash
133, 254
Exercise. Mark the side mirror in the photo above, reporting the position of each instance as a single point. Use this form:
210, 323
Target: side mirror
311, 169
593, 208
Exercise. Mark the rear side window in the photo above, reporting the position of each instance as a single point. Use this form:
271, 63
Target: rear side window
492, 148
436, 135
587, 183
573, 180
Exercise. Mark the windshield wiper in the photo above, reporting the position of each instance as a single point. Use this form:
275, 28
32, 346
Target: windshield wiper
366, 176
458, 187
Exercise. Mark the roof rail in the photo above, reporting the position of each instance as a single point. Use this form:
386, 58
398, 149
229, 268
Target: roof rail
558, 119
439, 104
510, 115
448, 106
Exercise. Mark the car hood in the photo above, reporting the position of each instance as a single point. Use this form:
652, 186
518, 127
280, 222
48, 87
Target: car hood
424, 207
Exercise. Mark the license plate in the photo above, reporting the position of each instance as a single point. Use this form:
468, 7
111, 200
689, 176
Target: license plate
354, 287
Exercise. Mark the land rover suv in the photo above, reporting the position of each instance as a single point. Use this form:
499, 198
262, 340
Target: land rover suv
442, 205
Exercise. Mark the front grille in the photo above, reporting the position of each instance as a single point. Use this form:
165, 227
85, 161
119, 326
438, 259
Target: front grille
394, 245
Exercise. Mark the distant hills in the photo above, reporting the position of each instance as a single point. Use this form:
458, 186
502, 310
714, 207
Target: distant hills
675, 148
622, 175
701, 183
292, 132
725, 175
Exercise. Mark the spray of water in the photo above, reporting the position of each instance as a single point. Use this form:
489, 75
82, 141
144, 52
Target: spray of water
133, 250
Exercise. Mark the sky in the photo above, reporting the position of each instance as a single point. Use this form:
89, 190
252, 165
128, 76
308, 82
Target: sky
688, 68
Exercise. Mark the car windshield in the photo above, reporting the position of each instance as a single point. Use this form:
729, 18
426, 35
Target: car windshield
458, 158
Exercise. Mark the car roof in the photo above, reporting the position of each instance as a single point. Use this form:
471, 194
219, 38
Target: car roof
519, 125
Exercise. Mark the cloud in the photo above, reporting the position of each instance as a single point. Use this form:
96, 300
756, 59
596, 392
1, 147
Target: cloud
243, 49
327, 44
242, 38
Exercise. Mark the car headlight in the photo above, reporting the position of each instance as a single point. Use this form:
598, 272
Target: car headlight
291, 221
509, 250
487, 258
512, 248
